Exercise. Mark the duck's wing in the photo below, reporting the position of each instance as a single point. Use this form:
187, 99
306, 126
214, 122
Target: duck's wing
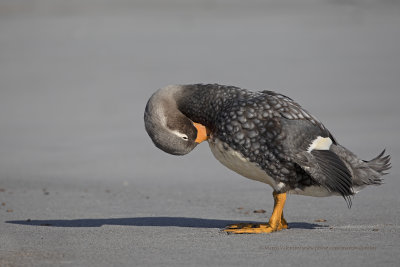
307, 143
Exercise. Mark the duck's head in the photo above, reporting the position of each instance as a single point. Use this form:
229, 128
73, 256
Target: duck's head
169, 129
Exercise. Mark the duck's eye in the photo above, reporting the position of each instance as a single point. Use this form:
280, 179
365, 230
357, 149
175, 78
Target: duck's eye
181, 135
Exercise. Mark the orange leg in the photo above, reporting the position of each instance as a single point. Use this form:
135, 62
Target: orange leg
276, 221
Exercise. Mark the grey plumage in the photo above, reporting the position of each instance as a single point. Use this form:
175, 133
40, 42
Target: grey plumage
328, 170
364, 172
273, 132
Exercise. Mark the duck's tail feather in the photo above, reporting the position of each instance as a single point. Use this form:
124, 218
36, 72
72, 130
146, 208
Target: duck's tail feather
364, 172
380, 163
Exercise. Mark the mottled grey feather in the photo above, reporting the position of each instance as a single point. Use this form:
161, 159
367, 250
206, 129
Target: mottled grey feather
275, 132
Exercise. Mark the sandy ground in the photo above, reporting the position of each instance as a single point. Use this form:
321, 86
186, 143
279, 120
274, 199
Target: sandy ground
81, 184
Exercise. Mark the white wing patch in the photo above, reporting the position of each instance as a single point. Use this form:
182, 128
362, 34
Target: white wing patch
320, 143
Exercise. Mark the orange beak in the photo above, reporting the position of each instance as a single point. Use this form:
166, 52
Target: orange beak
201, 132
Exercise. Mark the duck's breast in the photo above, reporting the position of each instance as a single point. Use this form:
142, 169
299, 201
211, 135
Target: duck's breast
235, 161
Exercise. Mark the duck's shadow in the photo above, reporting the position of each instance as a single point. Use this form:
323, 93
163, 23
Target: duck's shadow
149, 221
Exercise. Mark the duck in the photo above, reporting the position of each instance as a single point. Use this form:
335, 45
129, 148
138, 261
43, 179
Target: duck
261, 135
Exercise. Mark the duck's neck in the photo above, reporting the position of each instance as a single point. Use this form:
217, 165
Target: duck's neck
162, 106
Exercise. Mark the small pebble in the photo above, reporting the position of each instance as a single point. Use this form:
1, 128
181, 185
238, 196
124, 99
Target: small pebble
259, 211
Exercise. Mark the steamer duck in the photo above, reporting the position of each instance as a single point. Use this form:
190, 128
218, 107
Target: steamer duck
264, 136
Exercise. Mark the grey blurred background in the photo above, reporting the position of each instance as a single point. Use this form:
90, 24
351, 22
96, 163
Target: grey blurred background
74, 80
